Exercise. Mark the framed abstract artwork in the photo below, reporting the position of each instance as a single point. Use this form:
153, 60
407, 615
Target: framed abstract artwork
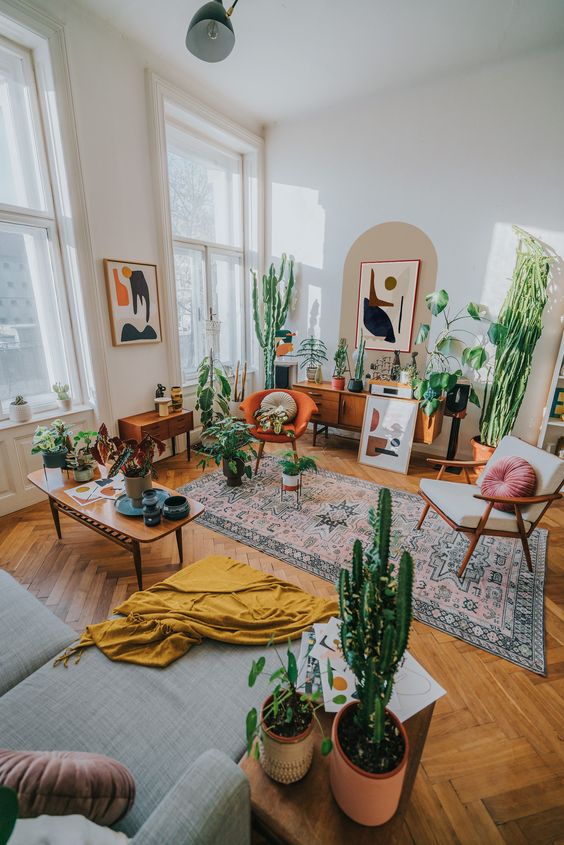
133, 299
387, 432
386, 304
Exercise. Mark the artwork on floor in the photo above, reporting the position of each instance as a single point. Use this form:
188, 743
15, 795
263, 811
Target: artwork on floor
133, 301
387, 432
386, 304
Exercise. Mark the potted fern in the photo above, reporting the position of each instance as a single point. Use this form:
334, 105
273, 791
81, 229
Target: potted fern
20, 410
370, 745
341, 365
312, 352
293, 468
356, 384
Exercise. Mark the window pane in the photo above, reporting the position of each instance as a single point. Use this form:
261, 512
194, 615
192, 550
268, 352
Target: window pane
228, 305
205, 191
190, 298
20, 182
31, 349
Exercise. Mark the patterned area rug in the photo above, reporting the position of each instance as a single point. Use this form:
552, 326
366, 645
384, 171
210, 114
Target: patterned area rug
498, 606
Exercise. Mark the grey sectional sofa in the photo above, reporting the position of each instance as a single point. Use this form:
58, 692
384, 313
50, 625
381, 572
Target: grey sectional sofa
179, 730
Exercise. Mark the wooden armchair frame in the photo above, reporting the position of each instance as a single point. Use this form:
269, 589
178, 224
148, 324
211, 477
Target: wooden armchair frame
481, 530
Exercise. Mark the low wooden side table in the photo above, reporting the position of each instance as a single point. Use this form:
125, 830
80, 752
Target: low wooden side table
305, 813
138, 426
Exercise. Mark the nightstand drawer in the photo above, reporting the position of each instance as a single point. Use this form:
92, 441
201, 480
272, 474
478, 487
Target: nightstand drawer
160, 430
180, 425
328, 397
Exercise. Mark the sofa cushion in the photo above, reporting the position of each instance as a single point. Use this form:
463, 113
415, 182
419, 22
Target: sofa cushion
458, 503
30, 634
64, 830
509, 477
62, 783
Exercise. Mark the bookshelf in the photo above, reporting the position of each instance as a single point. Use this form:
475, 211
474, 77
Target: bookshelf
552, 428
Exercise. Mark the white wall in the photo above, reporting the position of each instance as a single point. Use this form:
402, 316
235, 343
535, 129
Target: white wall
458, 158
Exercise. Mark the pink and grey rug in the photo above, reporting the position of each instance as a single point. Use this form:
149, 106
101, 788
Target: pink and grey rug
497, 606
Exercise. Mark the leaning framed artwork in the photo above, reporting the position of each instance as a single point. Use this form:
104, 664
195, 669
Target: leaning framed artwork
133, 300
387, 432
386, 304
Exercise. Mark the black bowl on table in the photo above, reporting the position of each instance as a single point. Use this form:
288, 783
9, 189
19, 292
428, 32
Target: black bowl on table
176, 507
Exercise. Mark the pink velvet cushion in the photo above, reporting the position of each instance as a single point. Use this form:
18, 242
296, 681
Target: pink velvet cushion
509, 477
62, 783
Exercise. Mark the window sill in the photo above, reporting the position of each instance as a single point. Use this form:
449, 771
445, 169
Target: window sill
45, 416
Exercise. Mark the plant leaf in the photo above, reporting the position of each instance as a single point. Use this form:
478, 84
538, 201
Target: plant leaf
476, 311
289, 714
473, 397
329, 674
497, 333
475, 357
292, 667
423, 333
326, 745
251, 727
436, 301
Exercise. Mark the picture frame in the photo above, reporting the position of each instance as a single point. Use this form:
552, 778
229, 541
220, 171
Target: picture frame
387, 294
387, 432
133, 302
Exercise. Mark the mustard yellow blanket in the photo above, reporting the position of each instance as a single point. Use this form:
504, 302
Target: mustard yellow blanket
216, 597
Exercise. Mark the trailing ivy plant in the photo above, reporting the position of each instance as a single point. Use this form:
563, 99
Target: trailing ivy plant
213, 391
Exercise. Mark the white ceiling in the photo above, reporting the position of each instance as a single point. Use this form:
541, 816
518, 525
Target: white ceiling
293, 56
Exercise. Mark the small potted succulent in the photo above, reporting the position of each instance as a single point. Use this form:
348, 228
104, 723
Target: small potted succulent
54, 443
293, 468
341, 365
135, 460
283, 736
79, 458
20, 410
312, 353
64, 400
230, 441
370, 745
356, 384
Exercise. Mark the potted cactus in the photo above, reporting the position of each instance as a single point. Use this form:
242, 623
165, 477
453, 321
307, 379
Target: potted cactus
64, 400
356, 384
370, 745
341, 365
20, 410
270, 316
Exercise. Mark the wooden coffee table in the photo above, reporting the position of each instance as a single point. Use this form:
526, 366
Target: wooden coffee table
102, 516
305, 813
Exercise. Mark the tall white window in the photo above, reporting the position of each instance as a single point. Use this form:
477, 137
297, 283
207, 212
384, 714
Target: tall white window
210, 197
36, 347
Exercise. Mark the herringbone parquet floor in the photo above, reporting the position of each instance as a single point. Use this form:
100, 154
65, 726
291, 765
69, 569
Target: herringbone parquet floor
493, 766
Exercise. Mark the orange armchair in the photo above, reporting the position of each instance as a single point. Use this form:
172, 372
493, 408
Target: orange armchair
295, 429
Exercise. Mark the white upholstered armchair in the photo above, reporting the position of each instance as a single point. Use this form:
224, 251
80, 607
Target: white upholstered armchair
465, 508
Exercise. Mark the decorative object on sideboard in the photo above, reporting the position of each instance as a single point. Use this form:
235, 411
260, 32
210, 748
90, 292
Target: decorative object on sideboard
270, 310
210, 36
135, 460
312, 352
283, 736
238, 392
79, 457
230, 444
356, 384
515, 335
20, 410
386, 304
396, 366
62, 391
53, 442
176, 398
370, 745
342, 366
133, 300
163, 406
159, 393
213, 391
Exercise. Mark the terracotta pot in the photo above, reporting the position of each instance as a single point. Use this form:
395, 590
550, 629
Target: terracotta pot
134, 487
338, 382
286, 759
366, 798
480, 452
234, 479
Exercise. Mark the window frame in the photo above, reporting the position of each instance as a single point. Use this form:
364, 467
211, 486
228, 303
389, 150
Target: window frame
171, 105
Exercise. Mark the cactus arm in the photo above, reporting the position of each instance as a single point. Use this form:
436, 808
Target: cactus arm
404, 603
256, 311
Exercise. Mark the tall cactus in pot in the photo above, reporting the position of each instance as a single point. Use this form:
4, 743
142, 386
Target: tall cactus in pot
270, 315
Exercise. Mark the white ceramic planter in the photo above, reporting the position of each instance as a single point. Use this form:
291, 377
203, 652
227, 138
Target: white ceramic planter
64, 404
134, 488
290, 482
20, 413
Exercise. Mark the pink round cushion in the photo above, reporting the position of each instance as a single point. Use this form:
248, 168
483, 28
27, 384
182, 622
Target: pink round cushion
509, 477
64, 783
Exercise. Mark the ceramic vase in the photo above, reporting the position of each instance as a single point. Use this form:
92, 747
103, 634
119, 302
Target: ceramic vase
286, 759
135, 486
310, 373
319, 375
176, 398
355, 385
369, 799
64, 404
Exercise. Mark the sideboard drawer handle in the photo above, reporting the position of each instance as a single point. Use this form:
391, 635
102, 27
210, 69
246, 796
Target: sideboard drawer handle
313, 393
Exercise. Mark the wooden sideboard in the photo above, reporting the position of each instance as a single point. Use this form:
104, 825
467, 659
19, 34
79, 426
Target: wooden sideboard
161, 428
343, 409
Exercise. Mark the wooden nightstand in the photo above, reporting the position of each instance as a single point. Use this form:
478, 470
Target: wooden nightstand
162, 428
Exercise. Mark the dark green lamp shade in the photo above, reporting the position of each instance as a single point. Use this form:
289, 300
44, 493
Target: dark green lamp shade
210, 36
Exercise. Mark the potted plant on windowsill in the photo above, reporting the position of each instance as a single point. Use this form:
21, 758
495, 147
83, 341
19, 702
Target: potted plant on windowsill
293, 468
370, 745
231, 444
312, 352
64, 400
356, 384
341, 365
79, 458
20, 410
283, 736
53, 441
135, 460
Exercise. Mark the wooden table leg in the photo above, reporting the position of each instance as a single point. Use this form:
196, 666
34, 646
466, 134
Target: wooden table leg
55, 515
136, 549
173, 445
314, 432
188, 444
179, 544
